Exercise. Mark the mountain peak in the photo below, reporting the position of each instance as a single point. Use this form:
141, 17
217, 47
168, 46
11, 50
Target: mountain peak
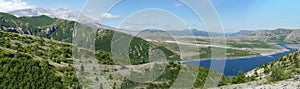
62, 9
61, 13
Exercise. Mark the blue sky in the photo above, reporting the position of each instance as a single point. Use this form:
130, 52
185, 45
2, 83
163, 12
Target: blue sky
234, 14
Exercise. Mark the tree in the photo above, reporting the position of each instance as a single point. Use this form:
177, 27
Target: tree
277, 74
6, 44
96, 78
224, 81
240, 78
114, 86
110, 76
81, 67
101, 86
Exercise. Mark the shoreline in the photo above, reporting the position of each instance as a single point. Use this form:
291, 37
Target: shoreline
284, 49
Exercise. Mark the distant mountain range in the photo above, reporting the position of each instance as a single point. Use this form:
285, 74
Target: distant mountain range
61, 13
277, 35
241, 32
192, 32
195, 32
293, 37
64, 13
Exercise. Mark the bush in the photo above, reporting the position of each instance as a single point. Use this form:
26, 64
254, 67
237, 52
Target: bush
277, 74
240, 78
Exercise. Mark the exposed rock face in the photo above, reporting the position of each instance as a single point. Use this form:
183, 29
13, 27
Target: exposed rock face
47, 32
50, 30
2, 19
15, 30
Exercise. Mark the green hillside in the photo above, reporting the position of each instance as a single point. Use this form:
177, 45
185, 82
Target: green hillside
283, 68
39, 21
139, 48
42, 26
33, 62
62, 30
280, 73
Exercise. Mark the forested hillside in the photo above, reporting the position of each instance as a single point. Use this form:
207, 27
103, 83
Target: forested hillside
62, 30
282, 73
283, 68
33, 62
42, 26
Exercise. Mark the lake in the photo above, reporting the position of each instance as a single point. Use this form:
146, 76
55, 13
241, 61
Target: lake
233, 65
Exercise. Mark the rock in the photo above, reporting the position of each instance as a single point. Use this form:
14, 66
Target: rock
2, 19
297, 78
51, 29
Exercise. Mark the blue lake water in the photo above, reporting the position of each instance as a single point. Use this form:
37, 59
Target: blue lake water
233, 65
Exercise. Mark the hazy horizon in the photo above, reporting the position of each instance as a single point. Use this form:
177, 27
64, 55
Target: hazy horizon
235, 15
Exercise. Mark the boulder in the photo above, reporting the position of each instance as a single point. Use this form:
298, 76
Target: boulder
297, 78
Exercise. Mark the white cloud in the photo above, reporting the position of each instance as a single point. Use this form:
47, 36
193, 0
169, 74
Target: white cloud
109, 16
11, 5
178, 4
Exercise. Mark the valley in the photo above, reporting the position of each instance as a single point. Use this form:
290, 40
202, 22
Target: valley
46, 44
236, 47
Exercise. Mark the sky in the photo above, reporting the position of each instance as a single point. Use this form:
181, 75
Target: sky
234, 15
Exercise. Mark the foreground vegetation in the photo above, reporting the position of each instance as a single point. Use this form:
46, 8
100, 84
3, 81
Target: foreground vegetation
283, 68
25, 63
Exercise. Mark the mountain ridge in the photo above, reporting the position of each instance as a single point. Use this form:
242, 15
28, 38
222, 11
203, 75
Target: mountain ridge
62, 30
276, 35
191, 32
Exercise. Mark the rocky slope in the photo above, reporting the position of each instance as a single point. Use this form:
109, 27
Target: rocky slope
277, 35
293, 37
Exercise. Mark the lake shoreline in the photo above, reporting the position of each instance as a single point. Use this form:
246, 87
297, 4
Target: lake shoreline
231, 66
284, 49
